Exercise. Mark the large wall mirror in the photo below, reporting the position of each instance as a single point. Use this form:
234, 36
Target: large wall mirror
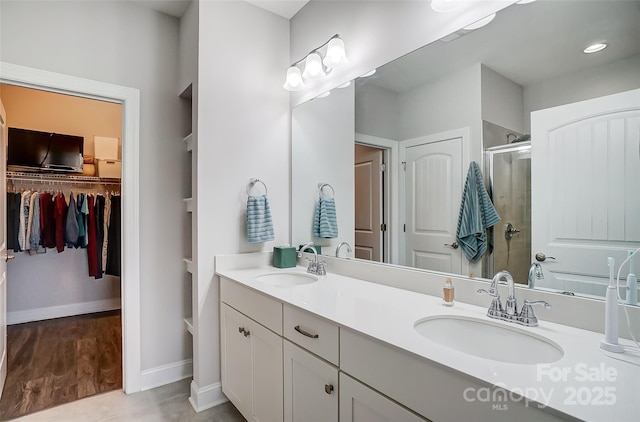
555, 130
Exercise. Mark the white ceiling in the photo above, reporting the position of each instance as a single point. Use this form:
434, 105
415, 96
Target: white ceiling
526, 43
284, 8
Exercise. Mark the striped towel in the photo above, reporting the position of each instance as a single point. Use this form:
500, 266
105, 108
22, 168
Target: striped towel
324, 222
476, 215
259, 224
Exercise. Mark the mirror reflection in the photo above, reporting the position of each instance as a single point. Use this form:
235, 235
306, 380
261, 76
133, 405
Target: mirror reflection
555, 135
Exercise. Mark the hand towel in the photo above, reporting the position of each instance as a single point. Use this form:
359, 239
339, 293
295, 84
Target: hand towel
477, 214
259, 224
325, 224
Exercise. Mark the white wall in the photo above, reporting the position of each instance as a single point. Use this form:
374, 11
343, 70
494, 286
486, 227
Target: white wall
502, 100
323, 152
620, 76
374, 32
376, 112
243, 132
122, 43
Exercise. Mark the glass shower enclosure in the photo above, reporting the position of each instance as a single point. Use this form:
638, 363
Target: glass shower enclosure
508, 169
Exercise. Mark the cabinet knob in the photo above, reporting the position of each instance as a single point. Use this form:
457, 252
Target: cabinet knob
328, 388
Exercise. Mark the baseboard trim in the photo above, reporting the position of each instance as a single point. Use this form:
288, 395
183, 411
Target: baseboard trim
166, 374
203, 398
50, 312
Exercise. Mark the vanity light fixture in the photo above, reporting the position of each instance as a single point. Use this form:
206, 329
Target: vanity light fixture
344, 85
324, 94
445, 5
482, 22
315, 65
369, 73
594, 48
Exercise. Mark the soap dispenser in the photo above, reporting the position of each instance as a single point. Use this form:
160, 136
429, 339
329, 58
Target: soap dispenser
448, 292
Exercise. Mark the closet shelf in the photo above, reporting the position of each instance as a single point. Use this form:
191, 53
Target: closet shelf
189, 264
60, 178
189, 141
189, 323
188, 203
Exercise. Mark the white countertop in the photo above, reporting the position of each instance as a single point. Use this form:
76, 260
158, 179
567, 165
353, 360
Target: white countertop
389, 314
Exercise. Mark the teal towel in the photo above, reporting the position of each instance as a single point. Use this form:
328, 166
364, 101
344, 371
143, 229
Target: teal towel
259, 224
325, 224
477, 214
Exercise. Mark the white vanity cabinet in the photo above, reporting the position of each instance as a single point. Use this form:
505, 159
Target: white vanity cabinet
359, 403
251, 354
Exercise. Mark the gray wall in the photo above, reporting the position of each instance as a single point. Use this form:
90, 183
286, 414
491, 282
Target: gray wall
121, 43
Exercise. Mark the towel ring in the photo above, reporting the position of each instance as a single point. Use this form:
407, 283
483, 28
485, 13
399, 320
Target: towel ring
323, 185
252, 183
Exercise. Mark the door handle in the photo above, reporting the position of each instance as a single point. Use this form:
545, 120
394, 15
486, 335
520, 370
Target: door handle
454, 245
8, 257
542, 257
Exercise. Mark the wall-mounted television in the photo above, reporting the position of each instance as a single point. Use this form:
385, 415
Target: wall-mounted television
34, 151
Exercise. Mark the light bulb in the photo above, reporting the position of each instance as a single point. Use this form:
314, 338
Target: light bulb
336, 55
593, 48
313, 67
294, 80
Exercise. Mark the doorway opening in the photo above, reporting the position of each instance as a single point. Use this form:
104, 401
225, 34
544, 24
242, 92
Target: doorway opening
64, 340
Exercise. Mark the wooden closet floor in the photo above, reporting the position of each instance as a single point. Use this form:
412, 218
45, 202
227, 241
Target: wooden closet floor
57, 361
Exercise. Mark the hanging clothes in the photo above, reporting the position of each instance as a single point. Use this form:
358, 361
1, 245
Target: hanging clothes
71, 229
60, 215
35, 232
48, 222
114, 248
105, 243
92, 252
99, 232
12, 227
24, 218
80, 221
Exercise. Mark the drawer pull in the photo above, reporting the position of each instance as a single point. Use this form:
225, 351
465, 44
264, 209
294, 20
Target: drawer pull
304, 333
328, 388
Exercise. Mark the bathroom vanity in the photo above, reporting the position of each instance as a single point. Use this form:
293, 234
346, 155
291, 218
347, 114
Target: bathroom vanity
298, 347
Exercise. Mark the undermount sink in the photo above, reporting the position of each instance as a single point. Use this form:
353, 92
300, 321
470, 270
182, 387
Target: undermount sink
287, 279
488, 340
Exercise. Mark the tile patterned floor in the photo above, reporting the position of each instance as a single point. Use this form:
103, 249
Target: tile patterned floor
168, 403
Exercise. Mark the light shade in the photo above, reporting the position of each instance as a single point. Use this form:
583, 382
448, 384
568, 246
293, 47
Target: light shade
294, 80
593, 48
336, 55
313, 68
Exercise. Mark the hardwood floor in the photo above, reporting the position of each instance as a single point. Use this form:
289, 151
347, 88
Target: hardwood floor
60, 360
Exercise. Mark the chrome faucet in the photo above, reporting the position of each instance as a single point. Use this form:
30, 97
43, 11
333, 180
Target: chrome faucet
340, 247
510, 313
315, 267
535, 273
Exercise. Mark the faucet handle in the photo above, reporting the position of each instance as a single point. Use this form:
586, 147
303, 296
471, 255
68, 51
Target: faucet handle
491, 292
495, 309
527, 317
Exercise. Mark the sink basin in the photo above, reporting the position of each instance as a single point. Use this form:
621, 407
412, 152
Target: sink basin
287, 279
488, 340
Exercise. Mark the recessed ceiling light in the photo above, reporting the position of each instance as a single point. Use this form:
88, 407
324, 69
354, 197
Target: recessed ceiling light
324, 94
344, 85
595, 47
369, 73
479, 24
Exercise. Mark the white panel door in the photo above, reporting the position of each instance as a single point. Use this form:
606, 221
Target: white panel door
433, 190
310, 387
3, 248
585, 181
368, 203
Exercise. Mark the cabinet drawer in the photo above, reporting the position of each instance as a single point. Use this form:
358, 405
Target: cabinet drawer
253, 304
312, 332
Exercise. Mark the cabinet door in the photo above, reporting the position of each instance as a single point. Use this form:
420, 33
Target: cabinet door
310, 387
266, 361
359, 403
236, 359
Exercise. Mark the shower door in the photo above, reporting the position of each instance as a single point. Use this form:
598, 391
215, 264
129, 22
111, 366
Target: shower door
509, 170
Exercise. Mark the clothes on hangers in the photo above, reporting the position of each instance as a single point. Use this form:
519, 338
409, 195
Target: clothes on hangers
114, 246
71, 229
105, 243
47, 221
60, 216
24, 217
92, 252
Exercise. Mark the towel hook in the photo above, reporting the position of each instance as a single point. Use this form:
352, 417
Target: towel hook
252, 183
323, 185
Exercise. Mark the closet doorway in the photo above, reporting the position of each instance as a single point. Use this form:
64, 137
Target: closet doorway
63, 302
